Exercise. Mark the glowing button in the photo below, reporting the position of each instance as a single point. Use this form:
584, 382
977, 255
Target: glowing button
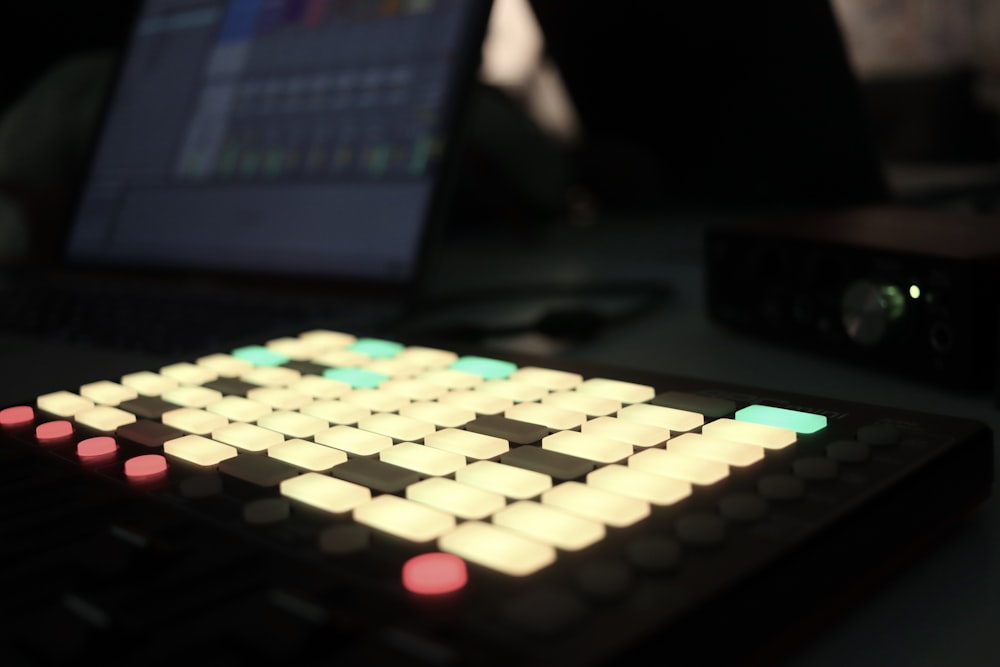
96, 447
258, 355
434, 574
145, 466
795, 420
19, 415
52, 431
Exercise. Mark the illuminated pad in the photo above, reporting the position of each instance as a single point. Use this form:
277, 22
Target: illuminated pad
763, 435
199, 450
260, 355
462, 500
498, 548
404, 518
18, 415
484, 367
795, 420
326, 493
434, 574
547, 524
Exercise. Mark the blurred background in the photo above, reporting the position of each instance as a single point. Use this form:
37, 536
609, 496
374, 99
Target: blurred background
585, 108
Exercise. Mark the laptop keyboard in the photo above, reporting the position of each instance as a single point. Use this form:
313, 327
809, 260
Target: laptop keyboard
327, 497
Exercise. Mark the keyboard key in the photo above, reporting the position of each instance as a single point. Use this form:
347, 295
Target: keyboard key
239, 409
327, 339
247, 437
478, 402
224, 365
148, 433
549, 416
337, 412
510, 481
795, 420
145, 466
376, 400
609, 508
259, 355
709, 406
376, 348
631, 432
320, 387
551, 379
427, 357
511, 430
462, 500
589, 404
587, 446
148, 407
342, 358
513, 390
725, 451
104, 418
271, 376
307, 455
375, 474
148, 383
452, 379
467, 443
324, 492
394, 368
422, 459
279, 398
189, 374
484, 367
768, 437
626, 392
497, 548
439, 414
635, 483
199, 450
662, 417
413, 389
17, 416
63, 403
357, 378
679, 466
554, 464
297, 348
53, 432
434, 574
353, 440
258, 470
97, 447
293, 424
404, 518
549, 525
192, 397
193, 420
396, 426
106, 392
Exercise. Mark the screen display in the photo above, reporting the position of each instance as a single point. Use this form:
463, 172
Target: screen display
275, 136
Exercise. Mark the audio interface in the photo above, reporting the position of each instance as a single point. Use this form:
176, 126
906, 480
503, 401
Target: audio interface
907, 290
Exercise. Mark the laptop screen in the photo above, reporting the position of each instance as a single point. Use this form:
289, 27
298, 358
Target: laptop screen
293, 137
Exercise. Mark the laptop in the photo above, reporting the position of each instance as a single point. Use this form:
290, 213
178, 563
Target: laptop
279, 164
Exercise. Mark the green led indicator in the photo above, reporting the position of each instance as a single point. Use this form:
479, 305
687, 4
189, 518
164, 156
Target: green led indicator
800, 422
258, 355
358, 378
486, 368
914, 291
376, 348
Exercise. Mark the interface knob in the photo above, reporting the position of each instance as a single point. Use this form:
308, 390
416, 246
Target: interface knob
868, 310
